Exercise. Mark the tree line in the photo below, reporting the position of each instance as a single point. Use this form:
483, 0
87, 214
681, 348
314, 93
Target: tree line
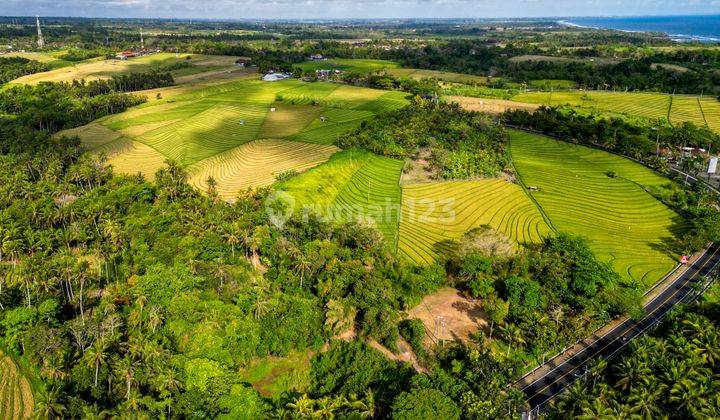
13, 67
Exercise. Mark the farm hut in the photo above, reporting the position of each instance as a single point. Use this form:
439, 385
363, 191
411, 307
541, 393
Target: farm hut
273, 109
323, 118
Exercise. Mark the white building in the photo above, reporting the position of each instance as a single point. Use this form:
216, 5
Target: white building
274, 77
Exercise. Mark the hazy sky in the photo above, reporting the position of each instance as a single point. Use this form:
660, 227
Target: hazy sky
309, 9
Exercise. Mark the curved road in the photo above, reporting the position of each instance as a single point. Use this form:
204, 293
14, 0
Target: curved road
569, 367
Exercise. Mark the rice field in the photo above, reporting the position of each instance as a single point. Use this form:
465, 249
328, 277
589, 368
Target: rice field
256, 164
357, 65
103, 69
436, 214
354, 185
16, 398
131, 157
204, 127
677, 108
624, 224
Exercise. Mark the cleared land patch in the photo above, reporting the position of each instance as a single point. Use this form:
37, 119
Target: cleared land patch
447, 315
623, 223
436, 214
16, 398
353, 185
256, 164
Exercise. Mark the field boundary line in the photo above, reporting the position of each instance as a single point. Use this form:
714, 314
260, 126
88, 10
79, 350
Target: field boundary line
527, 192
702, 112
669, 111
400, 213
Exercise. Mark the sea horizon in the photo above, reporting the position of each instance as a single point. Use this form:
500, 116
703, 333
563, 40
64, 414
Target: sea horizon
680, 28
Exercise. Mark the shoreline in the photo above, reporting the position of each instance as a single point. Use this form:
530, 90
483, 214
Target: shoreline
676, 37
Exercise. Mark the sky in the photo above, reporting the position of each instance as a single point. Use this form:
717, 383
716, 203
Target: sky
332, 9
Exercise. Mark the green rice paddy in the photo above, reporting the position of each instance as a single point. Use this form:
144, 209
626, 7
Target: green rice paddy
624, 224
703, 111
354, 185
194, 127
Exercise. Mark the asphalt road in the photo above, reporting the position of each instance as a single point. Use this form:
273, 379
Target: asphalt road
543, 389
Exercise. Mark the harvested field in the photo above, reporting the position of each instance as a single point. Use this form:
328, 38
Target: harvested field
16, 397
256, 164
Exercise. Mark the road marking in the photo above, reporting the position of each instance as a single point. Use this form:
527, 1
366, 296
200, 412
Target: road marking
704, 253
647, 316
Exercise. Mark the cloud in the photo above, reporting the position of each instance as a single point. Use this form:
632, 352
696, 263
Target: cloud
317, 9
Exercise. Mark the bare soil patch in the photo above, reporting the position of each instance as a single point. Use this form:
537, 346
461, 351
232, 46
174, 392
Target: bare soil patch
448, 315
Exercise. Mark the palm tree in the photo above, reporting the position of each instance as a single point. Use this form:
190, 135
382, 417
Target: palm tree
232, 238
261, 307
303, 406
364, 407
48, 405
155, 318
302, 266
630, 372
646, 400
573, 400
557, 314
125, 369
689, 395
513, 335
96, 355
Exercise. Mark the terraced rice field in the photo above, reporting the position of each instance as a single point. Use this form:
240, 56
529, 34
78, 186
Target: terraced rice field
624, 224
209, 126
257, 164
353, 185
492, 106
686, 108
435, 214
131, 157
16, 399
678, 108
103, 69
711, 112
359, 65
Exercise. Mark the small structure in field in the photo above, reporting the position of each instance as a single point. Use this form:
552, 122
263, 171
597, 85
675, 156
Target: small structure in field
124, 55
273, 109
323, 118
533, 188
275, 77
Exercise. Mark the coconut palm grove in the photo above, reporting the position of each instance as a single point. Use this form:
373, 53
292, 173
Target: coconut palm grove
471, 217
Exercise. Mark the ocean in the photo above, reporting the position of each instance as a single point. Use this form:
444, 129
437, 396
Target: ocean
705, 28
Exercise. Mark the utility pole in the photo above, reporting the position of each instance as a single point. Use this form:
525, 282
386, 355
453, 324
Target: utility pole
40, 40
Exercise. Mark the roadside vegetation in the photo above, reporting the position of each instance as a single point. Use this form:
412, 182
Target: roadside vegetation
180, 239
672, 370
